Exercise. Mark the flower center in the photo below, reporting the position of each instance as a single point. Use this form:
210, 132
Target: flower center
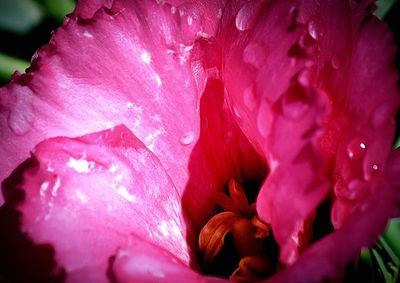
235, 243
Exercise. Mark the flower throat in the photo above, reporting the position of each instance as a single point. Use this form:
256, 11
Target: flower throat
235, 242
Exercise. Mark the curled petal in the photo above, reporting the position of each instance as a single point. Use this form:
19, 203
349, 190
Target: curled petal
101, 186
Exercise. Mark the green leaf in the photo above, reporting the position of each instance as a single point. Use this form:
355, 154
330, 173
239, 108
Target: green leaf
384, 7
397, 143
19, 16
58, 8
381, 264
8, 65
392, 236
388, 249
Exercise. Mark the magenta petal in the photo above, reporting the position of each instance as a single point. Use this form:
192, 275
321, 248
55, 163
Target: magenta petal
367, 125
140, 261
88, 194
126, 63
326, 259
305, 105
281, 111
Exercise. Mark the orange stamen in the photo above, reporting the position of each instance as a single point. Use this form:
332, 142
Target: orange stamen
211, 239
239, 197
248, 234
252, 268
262, 228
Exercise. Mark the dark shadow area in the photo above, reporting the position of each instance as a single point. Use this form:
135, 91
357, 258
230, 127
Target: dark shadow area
110, 272
222, 153
24, 46
20, 259
322, 225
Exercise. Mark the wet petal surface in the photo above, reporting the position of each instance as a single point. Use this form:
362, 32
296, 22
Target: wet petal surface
87, 195
133, 63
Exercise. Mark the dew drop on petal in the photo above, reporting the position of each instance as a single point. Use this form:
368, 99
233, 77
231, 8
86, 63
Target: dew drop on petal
296, 101
304, 78
356, 149
244, 17
220, 13
21, 117
146, 57
236, 112
254, 55
370, 170
335, 62
263, 119
189, 20
294, 109
380, 116
353, 4
355, 189
336, 214
315, 28
187, 138
249, 97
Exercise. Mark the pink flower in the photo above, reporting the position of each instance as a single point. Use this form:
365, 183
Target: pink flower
170, 102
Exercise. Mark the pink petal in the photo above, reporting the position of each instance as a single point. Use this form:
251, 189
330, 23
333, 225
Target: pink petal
140, 261
281, 111
326, 260
302, 111
125, 65
367, 128
87, 195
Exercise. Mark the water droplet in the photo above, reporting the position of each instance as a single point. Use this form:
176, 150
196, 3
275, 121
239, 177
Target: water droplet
316, 28
254, 55
187, 138
245, 17
293, 16
236, 111
146, 57
355, 189
220, 12
264, 119
381, 115
337, 214
173, 9
80, 165
294, 110
249, 97
304, 78
189, 20
21, 117
356, 149
158, 80
370, 170
335, 62
295, 102
87, 34
353, 4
